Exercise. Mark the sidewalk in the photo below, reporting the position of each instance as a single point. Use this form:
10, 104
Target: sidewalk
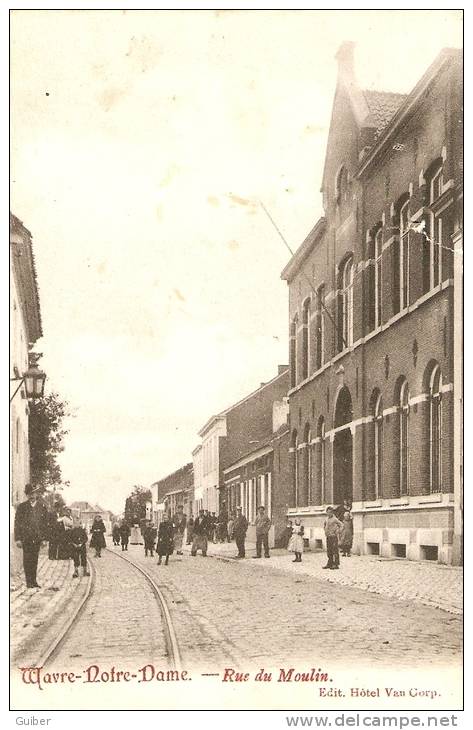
31, 610
431, 584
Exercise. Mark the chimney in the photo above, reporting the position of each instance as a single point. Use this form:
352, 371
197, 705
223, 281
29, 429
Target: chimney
346, 63
282, 369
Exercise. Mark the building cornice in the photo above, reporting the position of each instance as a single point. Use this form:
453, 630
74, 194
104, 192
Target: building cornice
24, 271
295, 263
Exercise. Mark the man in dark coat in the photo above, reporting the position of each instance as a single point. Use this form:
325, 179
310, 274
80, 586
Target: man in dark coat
31, 529
200, 534
240, 526
124, 534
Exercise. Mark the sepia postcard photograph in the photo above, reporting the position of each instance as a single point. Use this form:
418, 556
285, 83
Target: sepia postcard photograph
236, 363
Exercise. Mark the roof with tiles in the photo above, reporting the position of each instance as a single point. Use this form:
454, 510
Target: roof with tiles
382, 105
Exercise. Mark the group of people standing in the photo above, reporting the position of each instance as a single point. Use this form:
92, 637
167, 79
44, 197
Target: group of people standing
338, 536
164, 540
67, 538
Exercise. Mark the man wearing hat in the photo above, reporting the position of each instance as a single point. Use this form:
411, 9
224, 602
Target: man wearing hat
240, 526
332, 527
31, 526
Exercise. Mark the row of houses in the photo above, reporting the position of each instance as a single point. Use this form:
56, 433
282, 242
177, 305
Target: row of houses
369, 410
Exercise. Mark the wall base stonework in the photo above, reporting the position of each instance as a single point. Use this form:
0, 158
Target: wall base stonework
416, 530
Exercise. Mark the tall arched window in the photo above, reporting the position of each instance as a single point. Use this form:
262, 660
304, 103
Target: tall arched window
435, 429
378, 446
404, 439
309, 464
295, 469
305, 353
346, 304
293, 351
404, 255
378, 277
435, 232
321, 460
319, 327
341, 185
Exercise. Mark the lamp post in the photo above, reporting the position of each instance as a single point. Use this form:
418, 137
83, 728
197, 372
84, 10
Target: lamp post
33, 380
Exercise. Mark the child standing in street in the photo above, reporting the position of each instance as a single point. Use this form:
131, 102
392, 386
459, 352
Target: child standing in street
78, 544
296, 543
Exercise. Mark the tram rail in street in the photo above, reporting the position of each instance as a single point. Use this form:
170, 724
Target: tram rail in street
169, 631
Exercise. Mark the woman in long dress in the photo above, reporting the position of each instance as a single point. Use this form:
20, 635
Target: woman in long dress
346, 535
296, 543
165, 544
135, 537
97, 531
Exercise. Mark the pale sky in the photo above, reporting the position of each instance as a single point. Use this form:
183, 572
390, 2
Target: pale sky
137, 137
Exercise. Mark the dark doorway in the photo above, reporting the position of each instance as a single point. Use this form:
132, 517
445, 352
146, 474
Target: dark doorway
343, 450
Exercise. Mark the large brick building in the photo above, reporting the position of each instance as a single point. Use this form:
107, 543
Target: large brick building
375, 321
172, 491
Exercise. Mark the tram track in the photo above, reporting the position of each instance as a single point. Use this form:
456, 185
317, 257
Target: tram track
172, 644
62, 632
53, 646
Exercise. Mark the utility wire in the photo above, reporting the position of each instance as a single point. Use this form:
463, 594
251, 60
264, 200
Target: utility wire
319, 299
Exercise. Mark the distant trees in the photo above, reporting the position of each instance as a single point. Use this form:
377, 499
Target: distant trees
135, 504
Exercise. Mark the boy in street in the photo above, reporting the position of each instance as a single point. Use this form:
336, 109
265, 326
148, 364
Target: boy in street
332, 527
78, 544
150, 534
263, 524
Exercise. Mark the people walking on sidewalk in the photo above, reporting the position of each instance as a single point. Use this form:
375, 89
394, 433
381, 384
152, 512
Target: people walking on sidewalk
124, 535
78, 545
179, 522
97, 540
332, 527
200, 534
116, 533
30, 530
346, 535
149, 536
296, 542
190, 529
263, 524
165, 545
240, 527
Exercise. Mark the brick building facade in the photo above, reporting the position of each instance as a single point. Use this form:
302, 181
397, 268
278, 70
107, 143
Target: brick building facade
234, 464
374, 312
173, 490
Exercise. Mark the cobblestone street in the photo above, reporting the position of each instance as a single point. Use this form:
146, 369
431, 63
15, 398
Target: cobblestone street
268, 616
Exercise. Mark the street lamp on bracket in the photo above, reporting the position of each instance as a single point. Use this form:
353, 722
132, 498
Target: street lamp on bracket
33, 380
